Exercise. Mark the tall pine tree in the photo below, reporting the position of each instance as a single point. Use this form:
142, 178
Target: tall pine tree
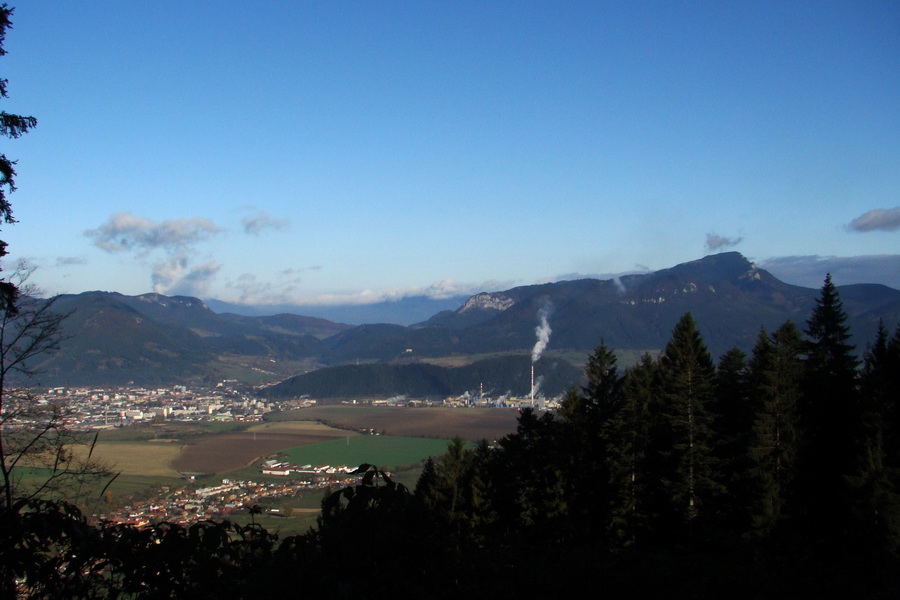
627, 435
583, 417
776, 376
878, 480
830, 421
690, 476
733, 423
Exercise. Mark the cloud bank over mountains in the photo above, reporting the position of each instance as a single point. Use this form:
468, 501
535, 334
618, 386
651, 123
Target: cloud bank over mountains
255, 292
171, 249
177, 262
810, 270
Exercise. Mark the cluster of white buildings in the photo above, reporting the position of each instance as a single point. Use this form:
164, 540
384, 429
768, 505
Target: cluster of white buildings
185, 506
99, 407
274, 467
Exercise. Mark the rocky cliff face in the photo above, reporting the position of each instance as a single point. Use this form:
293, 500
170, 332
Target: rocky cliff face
486, 301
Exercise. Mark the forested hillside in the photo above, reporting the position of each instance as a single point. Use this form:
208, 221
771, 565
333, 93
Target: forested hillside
504, 375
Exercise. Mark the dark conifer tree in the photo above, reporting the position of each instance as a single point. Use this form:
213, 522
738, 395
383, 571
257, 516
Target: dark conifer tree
536, 465
11, 126
776, 376
582, 419
876, 399
426, 486
690, 476
892, 407
602, 389
831, 364
733, 410
733, 423
627, 435
830, 422
880, 390
878, 479
444, 486
484, 513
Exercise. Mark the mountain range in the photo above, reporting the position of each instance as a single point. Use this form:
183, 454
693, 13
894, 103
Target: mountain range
154, 339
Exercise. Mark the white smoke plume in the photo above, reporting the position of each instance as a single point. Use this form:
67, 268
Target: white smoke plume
542, 331
175, 240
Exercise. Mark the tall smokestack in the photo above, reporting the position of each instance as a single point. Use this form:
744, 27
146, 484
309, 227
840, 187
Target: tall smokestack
532, 384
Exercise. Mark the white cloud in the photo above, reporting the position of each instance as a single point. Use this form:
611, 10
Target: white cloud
256, 292
714, 241
256, 224
125, 232
66, 261
883, 219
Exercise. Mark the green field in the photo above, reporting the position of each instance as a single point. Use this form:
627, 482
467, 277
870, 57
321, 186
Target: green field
381, 450
87, 493
141, 458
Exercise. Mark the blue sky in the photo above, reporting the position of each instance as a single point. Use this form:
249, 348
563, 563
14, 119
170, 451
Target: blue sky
349, 152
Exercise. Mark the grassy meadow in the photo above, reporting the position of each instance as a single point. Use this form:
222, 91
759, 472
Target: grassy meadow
381, 450
144, 458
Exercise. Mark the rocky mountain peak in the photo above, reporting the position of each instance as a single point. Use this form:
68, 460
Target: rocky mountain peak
487, 301
173, 301
752, 274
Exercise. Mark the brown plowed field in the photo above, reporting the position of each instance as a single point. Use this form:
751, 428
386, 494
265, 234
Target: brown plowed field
227, 451
473, 424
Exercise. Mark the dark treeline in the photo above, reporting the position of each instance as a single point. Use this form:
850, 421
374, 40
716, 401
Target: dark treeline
498, 375
769, 475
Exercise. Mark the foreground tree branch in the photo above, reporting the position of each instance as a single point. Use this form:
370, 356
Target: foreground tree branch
39, 454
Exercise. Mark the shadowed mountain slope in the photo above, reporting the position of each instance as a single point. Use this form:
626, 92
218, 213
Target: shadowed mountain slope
152, 339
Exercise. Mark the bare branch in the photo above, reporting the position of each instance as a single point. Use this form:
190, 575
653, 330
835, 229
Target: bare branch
33, 432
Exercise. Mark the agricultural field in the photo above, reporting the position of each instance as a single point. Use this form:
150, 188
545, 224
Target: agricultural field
384, 451
167, 450
87, 493
143, 458
472, 424
229, 451
164, 450
149, 459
